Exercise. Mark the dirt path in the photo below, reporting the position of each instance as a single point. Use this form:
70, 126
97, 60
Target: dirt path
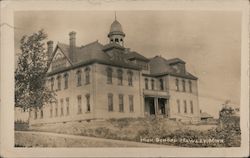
46, 139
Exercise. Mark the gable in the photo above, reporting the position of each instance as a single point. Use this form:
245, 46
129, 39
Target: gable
58, 61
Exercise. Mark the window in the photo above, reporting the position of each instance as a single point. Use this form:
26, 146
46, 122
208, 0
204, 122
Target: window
110, 102
109, 75
179, 106
152, 84
41, 113
87, 76
116, 40
177, 84
66, 76
130, 78
67, 106
52, 83
35, 115
161, 84
62, 107
190, 86
79, 101
146, 83
121, 40
185, 106
131, 103
184, 85
119, 76
88, 102
56, 109
51, 110
79, 77
121, 106
58, 82
191, 107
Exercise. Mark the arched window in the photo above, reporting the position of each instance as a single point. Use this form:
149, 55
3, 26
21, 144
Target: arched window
130, 78
66, 76
178, 106
87, 102
41, 113
152, 84
185, 106
51, 109
87, 75
190, 86
161, 84
184, 85
191, 107
62, 107
79, 77
52, 83
146, 83
109, 75
58, 82
119, 76
177, 84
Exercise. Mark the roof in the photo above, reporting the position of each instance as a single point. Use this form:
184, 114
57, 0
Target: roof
205, 115
135, 55
116, 28
159, 66
94, 53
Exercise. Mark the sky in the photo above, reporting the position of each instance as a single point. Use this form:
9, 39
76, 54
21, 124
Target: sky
209, 42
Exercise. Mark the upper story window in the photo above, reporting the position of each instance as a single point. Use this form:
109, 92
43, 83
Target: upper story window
184, 85
191, 107
52, 83
66, 82
110, 102
119, 76
41, 113
121, 103
109, 75
185, 106
62, 107
88, 102
35, 114
177, 84
152, 84
117, 40
130, 78
51, 110
131, 103
178, 106
190, 86
79, 77
161, 84
56, 108
146, 83
87, 75
79, 102
67, 106
59, 82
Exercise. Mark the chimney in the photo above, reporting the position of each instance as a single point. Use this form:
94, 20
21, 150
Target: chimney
72, 44
50, 49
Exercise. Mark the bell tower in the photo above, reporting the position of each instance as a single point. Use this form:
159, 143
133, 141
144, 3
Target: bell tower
116, 34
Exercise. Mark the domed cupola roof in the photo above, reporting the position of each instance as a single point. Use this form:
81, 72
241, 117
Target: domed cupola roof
116, 29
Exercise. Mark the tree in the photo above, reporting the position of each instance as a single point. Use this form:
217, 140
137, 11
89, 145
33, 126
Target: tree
30, 75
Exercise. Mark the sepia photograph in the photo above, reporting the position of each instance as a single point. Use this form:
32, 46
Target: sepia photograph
124, 78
